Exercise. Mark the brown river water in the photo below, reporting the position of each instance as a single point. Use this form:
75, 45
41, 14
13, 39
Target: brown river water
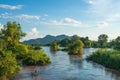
65, 67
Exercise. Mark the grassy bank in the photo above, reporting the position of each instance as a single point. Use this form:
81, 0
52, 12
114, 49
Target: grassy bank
108, 58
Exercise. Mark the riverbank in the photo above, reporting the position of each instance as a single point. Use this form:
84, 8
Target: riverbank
72, 66
107, 58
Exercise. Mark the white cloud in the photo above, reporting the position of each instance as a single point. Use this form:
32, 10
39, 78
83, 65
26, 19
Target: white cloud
33, 34
103, 8
1, 26
11, 7
102, 24
6, 15
107, 11
90, 1
64, 22
100, 7
34, 31
25, 16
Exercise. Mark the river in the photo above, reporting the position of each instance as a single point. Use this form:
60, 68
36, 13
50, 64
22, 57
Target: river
65, 67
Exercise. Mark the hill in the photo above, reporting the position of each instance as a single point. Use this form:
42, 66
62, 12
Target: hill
46, 40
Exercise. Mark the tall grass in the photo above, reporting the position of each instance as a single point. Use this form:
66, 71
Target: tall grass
108, 58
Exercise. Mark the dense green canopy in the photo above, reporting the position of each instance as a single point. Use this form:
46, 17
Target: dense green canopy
12, 51
76, 48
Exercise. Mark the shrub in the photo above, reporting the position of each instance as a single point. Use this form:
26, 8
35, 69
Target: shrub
76, 48
108, 58
8, 64
36, 57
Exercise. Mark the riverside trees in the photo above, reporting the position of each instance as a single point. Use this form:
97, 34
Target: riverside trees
12, 50
54, 46
76, 46
102, 40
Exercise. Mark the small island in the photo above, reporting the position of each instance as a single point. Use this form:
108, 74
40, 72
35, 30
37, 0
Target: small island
76, 48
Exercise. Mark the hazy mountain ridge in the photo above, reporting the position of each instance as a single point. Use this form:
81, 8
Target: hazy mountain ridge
45, 40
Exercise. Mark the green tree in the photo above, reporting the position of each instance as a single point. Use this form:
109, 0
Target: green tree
95, 44
102, 40
8, 64
54, 46
64, 42
12, 33
11, 49
2, 44
117, 43
76, 48
86, 41
75, 37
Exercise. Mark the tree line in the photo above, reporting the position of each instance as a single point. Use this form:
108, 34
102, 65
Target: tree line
102, 42
14, 54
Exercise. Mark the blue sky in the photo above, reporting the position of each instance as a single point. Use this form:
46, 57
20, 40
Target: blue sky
54, 17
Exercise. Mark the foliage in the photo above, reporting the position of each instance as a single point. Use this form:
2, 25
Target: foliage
65, 42
75, 37
108, 58
2, 44
95, 44
37, 48
8, 64
87, 42
19, 47
12, 33
36, 57
76, 48
102, 40
54, 46
117, 43
12, 50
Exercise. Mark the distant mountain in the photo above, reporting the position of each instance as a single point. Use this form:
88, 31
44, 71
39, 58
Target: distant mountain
46, 40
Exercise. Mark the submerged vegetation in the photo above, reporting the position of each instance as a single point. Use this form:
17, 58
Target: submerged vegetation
12, 51
54, 46
37, 57
108, 58
76, 48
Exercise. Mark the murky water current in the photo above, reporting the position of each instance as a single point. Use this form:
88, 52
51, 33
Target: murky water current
65, 67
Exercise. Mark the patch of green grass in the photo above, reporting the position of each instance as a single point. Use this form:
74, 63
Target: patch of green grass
108, 58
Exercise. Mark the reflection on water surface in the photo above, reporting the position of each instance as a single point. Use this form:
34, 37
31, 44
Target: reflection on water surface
65, 67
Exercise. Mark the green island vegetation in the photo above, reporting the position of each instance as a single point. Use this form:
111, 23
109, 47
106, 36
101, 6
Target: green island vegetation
76, 48
85, 40
38, 58
54, 46
73, 46
108, 58
108, 54
13, 53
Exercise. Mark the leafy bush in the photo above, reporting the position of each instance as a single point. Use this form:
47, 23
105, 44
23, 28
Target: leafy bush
8, 64
76, 48
108, 58
54, 46
36, 57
